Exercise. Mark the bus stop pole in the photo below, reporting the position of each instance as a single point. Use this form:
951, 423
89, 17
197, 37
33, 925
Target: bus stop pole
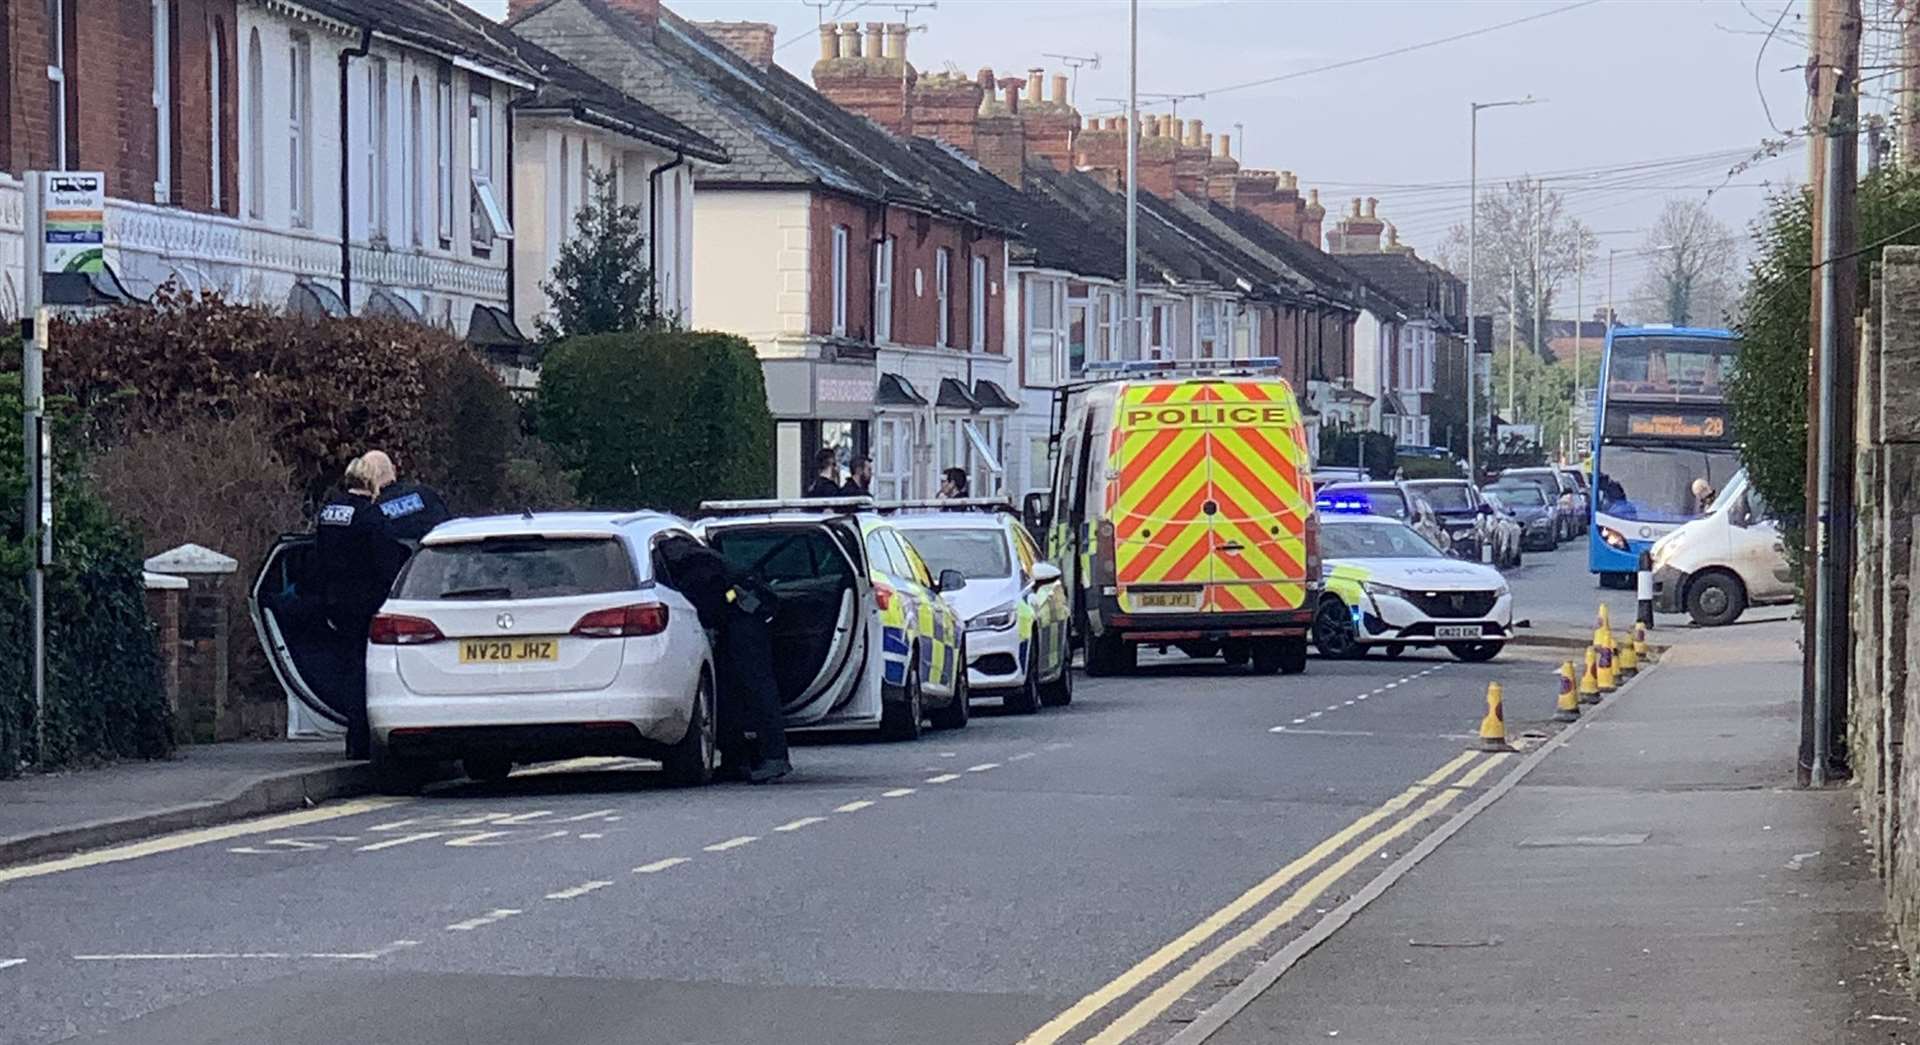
1825, 561
33, 439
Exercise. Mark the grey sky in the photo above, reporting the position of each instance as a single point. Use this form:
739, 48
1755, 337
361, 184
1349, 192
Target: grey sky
1626, 81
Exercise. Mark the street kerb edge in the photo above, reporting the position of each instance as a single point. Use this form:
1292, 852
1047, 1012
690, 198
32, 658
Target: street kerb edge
1217, 1015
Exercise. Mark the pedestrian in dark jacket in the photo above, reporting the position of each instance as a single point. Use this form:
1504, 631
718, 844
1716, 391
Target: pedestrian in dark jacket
738, 613
351, 561
826, 473
859, 478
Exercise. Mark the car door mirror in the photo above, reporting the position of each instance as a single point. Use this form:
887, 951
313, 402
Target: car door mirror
1045, 573
1036, 511
1485, 509
952, 580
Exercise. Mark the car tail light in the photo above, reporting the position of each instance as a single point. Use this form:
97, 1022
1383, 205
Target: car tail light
392, 629
622, 622
1104, 563
1313, 547
883, 594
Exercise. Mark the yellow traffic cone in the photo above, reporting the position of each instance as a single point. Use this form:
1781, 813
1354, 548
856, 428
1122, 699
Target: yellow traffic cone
1590, 678
1626, 659
1567, 709
1604, 621
1640, 650
1493, 728
1603, 670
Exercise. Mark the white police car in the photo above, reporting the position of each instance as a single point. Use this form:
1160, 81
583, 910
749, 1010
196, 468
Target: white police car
1387, 585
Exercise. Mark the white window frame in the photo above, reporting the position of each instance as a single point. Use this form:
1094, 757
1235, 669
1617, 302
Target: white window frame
892, 456
942, 292
379, 180
1046, 316
566, 190
443, 156
415, 179
216, 83
300, 130
1164, 312
57, 78
162, 28
256, 128
487, 219
977, 304
883, 291
841, 237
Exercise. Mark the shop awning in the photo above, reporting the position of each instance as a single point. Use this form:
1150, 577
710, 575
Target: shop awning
897, 391
954, 396
493, 332
992, 397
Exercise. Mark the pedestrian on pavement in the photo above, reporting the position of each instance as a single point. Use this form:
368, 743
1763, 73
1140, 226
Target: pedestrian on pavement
737, 615
953, 484
826, 473
859, 477
350, 560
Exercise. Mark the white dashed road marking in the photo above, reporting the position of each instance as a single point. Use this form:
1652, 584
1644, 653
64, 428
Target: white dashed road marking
983, 767
944, 778
1021, 757
731, 843
402, 840
577, 891
498, 914
898, 792
8, 963
853, 807
1300, 721
660, 865
805, 821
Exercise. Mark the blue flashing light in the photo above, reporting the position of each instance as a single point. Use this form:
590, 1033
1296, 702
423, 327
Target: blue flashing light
1344, 505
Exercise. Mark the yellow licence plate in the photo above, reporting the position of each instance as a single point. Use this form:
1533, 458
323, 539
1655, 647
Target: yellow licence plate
508, 651
1166, 600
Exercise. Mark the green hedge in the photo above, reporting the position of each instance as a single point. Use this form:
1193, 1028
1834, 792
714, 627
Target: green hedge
658, 418
104, 697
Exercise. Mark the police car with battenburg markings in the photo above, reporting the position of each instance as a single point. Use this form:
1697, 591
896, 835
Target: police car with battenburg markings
1388, 586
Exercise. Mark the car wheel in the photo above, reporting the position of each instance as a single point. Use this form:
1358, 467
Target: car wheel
691, 761
956, 713
1475, 652
900, 719
486, 769
1394, 651
393, 776
1715, 598
1059, 692
1333, 632
1110, 655
1026, 699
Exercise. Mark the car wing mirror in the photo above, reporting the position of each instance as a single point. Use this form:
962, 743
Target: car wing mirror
952, 580
1045, 573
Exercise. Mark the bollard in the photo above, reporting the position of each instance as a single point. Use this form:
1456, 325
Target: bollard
1626, 662
1603, 670
1643, 589
1493, 728
1567, 709
1590, 678
1640, 650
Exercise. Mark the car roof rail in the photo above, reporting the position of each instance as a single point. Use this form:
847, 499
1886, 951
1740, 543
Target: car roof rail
765, 506
948, 504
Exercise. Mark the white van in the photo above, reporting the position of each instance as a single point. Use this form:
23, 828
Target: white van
1716, 566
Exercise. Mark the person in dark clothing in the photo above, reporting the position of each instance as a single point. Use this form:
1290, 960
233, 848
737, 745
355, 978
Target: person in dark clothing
351, 560
408, 511
738, 613
826, 473
859, 478
953, 483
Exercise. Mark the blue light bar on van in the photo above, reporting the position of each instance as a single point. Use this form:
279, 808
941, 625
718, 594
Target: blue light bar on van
1182, 367
1344, 505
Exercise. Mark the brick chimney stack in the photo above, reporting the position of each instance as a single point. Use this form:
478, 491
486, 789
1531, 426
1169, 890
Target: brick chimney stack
946, 106
1310, 224
1190, 160
868, 82
1359, 232
1000, 138
1050, 122
752, 41
647, 11
1223, 172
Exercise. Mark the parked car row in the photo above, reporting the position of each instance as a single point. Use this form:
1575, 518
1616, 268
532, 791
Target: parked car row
519, 638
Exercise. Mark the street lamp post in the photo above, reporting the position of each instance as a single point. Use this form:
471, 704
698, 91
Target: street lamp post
1473, 208
1132, 335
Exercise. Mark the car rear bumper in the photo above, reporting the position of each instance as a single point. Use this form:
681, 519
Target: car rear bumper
995, 660
610, 717
1211, 627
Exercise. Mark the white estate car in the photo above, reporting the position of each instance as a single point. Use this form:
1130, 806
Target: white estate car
522, 638
1013, 606
1387, 585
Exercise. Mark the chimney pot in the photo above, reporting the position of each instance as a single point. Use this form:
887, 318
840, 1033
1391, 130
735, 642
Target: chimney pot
1372, 205
1356, 206
1195, 132
876, 37
1012, 85
986, 80
1035, 85
849, 39
829, 42
896, 35
1225, 145
1059, 89
1208, 142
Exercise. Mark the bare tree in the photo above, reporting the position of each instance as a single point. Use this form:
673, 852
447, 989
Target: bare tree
1510, 216
1691, 266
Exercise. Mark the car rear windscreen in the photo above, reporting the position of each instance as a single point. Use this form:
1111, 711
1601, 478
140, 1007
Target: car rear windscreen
978, 553
518, 568
1447, 497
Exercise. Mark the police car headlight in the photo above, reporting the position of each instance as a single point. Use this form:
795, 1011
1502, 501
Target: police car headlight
1377, 588
999, 618
1502, 590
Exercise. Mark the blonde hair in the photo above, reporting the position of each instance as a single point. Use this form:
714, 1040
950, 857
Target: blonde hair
370, 471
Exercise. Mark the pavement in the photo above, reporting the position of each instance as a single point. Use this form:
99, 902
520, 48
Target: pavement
1111, 872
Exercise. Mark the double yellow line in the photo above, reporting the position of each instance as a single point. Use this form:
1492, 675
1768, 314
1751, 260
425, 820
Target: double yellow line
1192, 973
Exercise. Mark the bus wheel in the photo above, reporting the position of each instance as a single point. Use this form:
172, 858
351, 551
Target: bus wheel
1617, 581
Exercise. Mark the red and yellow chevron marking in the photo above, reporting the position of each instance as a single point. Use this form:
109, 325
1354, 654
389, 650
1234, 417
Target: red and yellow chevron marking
1178, 447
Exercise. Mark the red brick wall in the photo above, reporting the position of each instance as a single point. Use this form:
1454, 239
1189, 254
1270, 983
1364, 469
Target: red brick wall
6, 85
109, 72
917, 238
861, 220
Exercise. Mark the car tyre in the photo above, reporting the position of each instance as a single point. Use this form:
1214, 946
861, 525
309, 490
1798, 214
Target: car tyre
1333, 631
1026, 699
1395, 650
1283, 656
1475, 652
1110, 655
956, 712
900, 719
1715, 598
393, 776
486, 769
690, 763
1059, 692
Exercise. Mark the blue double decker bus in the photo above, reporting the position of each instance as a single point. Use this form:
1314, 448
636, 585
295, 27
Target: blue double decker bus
1662, 424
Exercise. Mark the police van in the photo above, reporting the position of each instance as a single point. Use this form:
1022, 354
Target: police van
1182, 513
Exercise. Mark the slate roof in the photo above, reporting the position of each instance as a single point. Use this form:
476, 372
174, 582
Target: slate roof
1051, 236
1328, 274
1405, 277
442, 25
776, 129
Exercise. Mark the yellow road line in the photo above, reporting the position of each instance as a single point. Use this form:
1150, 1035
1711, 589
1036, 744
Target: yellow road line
1084, 1009
1433, 779
1135, 1019
199, 836
1479, 772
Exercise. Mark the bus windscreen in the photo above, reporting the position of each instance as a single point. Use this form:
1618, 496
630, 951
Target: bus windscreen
1664, 367
1655, 483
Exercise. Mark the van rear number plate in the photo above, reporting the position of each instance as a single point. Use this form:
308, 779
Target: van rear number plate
1457, 631
1166, 600
508, 651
